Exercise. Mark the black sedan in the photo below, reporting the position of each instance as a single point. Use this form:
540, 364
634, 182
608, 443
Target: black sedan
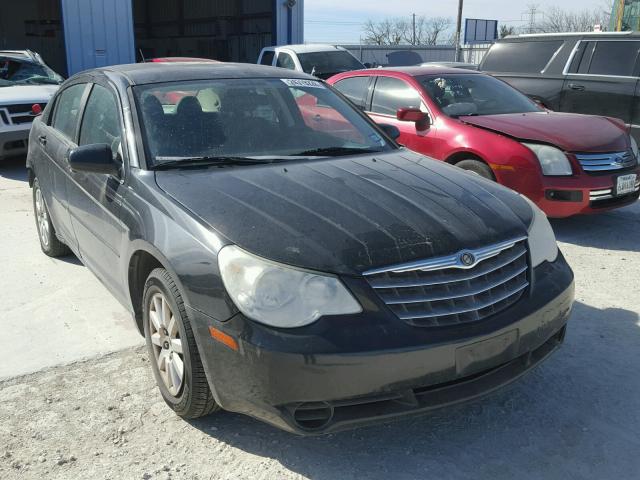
283, 257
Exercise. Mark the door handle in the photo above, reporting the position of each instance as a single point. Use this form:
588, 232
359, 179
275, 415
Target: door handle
575, 86
43, 140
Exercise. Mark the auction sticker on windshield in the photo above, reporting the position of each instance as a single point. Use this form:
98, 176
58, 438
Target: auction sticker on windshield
298, 82
626, 184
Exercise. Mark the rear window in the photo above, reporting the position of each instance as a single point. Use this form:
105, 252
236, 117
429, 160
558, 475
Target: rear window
520, 57
267, 58
355, 89
606, 58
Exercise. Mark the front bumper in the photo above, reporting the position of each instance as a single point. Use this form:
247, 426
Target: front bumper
14, 140
583, 194
326, 378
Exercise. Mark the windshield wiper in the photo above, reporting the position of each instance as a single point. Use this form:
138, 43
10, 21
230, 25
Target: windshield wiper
172, 162
335, 152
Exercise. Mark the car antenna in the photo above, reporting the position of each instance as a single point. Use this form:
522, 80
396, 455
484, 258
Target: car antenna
144, 60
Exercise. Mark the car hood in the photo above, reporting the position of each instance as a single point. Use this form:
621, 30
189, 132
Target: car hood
347, 215
26, 94
570, 132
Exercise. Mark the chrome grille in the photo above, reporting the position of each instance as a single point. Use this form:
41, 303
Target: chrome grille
446, 291
18, 114
605, 162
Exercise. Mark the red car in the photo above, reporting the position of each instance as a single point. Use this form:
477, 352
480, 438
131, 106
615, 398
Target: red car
567, 164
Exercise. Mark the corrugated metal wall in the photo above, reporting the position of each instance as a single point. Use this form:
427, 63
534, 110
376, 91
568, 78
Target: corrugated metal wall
289, 19
97, 33
36, 25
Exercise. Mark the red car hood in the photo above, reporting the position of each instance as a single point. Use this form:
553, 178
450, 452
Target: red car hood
571, 132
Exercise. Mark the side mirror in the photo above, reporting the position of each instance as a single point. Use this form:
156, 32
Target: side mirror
390, 130
97, 158
368, 65
411, 114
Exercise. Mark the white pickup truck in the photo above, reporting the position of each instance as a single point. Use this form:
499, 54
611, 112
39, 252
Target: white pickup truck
322, 61
25, 80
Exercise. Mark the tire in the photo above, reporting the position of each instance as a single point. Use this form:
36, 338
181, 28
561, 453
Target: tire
172, 347
478, 167
49, 242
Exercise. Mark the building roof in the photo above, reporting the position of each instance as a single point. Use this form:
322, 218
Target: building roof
144, 73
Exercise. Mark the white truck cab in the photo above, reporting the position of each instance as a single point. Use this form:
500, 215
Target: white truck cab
25, 80
323, 61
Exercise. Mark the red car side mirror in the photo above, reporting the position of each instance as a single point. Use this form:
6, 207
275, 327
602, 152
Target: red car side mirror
36, 109
421, 119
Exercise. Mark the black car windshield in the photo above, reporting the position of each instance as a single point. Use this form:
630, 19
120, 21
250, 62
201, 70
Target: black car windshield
325, 64
18, 72
464, 95
258, 118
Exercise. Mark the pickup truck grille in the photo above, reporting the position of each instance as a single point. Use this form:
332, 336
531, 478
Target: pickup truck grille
17, 114
466, 287
606, 162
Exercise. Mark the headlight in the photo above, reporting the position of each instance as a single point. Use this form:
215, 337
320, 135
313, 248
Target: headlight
542, 241
634, 146
552, 160
279, 295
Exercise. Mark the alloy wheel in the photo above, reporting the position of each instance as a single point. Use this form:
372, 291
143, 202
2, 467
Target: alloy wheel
42, 218
166, 343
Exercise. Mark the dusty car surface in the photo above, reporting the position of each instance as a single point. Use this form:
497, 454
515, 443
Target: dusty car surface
25, 80
292, 265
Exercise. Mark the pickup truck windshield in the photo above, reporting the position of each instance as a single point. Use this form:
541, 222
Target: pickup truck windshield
250, 119
17, 72
464, 95
327, 64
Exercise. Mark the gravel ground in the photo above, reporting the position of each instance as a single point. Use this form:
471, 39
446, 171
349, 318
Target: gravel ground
575, 417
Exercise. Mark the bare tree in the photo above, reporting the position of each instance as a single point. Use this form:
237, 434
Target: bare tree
428, 31
557, 20
386, 32
436, 28
506, 31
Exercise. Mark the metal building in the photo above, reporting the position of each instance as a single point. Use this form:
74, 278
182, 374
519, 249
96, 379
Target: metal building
73, 35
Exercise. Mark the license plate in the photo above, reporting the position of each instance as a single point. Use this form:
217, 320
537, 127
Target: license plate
626, 184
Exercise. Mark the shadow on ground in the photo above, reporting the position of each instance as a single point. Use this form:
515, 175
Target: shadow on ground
614, 230
14, 168
576, 416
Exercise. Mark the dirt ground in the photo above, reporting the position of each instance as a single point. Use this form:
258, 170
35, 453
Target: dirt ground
575, 417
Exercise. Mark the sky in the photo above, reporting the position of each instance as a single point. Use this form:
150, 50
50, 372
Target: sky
340, 21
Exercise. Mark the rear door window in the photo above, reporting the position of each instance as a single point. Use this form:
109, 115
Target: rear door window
521, 57
391, 94
355, 89
67, 110
267, 58
285, 61
616, 58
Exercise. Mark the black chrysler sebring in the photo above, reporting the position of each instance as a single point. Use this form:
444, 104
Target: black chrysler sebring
282, 255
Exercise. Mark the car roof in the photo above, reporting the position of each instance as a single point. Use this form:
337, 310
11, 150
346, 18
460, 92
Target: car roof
181, 59
22, 55
417, 71
603, 35
157, 72
311, 47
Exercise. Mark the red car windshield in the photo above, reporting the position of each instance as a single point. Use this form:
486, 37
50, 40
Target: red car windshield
466, 95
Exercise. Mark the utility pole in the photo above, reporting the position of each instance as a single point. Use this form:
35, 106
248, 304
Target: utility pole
533, 14
414, 28
459, 30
